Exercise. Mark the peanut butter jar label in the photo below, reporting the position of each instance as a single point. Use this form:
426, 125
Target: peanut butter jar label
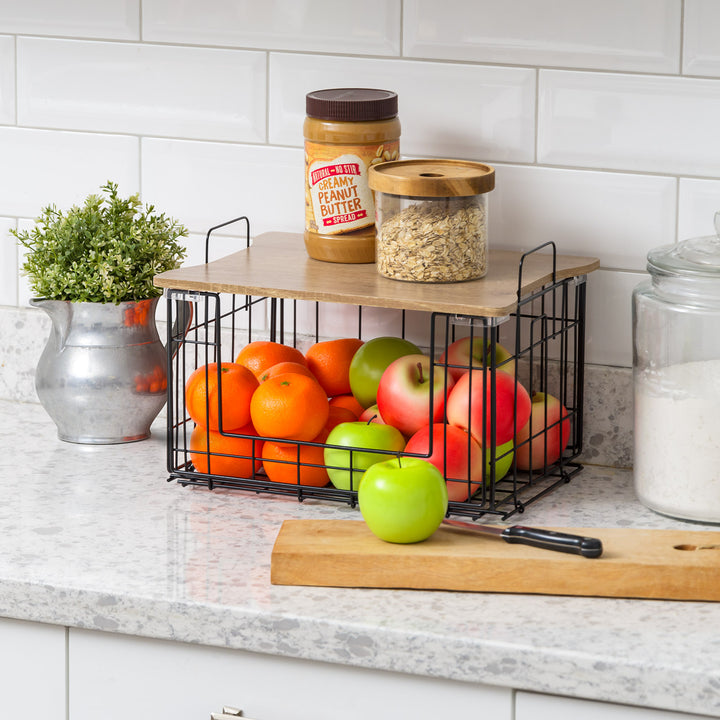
337, 197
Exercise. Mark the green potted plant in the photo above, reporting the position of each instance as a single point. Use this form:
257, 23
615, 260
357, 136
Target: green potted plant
102, 375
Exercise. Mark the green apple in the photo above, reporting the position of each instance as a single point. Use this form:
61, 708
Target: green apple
503, 461
403, 500
369, 363
358, 437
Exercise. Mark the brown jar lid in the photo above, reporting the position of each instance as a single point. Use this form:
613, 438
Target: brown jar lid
351, 104
432, 178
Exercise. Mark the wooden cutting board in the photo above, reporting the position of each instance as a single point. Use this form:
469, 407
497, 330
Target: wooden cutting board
660, 564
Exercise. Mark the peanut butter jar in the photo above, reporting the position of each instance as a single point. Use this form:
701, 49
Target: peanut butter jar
347, 131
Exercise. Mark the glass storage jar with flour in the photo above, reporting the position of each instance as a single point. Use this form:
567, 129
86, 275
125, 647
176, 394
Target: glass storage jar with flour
676, 380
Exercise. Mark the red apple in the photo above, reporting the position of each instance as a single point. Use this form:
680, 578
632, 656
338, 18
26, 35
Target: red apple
372, 414
476, 354
469, 402
454, 453
459, 457
543, 438
403, 396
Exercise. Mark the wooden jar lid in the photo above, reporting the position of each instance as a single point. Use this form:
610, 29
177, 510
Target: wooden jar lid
432, 178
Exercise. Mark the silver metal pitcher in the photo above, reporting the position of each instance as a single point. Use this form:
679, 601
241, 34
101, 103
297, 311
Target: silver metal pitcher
102, 376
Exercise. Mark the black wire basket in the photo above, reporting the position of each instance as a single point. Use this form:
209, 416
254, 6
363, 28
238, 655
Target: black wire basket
543, 333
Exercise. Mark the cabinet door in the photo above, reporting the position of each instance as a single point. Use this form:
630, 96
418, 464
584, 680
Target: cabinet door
115, 677
534, 706
32, 670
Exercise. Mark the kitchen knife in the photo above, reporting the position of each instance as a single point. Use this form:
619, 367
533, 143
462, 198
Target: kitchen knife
548, 539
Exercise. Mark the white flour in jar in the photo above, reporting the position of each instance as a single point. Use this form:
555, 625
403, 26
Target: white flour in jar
677, 440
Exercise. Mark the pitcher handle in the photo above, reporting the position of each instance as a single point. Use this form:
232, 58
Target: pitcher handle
181, 323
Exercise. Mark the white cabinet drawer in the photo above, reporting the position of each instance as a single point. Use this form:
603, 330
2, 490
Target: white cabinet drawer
32, 670
115, 677
535, 706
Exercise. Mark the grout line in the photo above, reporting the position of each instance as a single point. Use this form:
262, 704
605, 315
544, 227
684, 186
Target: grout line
682, 38
17, 79
267, 98
537, 114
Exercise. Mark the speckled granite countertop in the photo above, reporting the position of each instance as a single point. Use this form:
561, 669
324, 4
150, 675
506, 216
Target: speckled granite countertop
94, 537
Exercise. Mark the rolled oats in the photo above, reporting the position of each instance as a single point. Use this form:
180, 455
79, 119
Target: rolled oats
436, 240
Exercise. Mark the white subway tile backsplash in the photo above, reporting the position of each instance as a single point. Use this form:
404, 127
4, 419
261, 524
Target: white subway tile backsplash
699, 200
146, 89
453, 110
335, 26
634, 35
616, 217
599, 142
629, 122
203, 184
8, 262
118, 20
61, 167
608, 327
701, 50
7, 79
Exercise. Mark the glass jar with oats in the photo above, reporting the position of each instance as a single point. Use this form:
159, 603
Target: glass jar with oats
431, 219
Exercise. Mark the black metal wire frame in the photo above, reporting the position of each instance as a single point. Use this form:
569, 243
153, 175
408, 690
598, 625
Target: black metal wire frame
546, 338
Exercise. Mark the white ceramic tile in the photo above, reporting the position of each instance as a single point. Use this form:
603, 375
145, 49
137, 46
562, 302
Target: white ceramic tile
453, 110
41, 167
634, 35
7, 80
119, 20
629, 122
204, 184
701, 49
144, 89
699, 200
8, 263
616, 217
336, 26
608, 328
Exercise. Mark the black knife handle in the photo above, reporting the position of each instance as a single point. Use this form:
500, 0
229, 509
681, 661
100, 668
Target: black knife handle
552, 540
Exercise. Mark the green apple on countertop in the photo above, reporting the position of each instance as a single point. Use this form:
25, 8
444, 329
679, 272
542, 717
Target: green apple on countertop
346, 467
403, 500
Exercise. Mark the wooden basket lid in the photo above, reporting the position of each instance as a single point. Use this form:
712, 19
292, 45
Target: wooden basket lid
432, 178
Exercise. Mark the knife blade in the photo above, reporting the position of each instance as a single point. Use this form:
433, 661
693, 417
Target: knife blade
537, 537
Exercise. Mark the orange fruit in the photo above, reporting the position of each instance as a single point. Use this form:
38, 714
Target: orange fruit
289, 406
349, 402
235, 456
203, 395
283, 367
329, 361
339, 415
296, 464
260, 355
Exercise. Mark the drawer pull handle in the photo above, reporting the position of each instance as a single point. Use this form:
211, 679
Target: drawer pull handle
228, 713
